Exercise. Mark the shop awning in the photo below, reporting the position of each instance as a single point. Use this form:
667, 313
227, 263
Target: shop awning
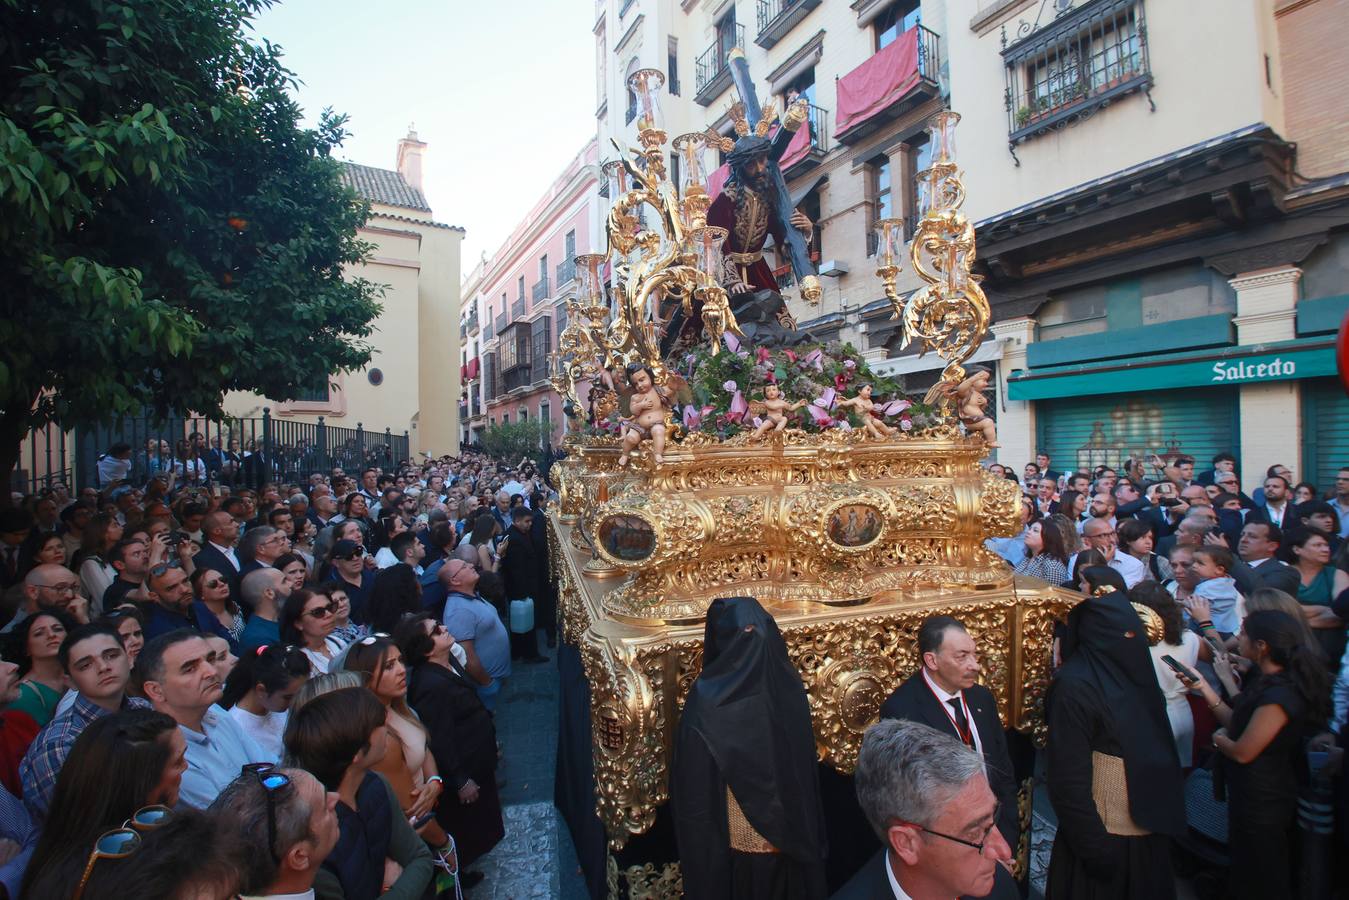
1256, 363
880, 81
902, 365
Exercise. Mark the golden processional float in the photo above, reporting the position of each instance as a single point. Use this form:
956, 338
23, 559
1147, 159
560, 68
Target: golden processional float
850, 540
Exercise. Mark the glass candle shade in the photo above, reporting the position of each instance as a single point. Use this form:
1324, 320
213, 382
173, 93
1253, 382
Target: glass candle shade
942, 134
706, 244
692, 170
929, 183
889, 242
646, 85
617, 175
590, 278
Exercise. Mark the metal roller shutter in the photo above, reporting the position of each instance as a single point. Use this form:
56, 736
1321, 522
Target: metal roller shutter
1325, 432
1081, 433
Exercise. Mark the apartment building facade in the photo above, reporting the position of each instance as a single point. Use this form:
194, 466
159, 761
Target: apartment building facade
1158, 189
514, 305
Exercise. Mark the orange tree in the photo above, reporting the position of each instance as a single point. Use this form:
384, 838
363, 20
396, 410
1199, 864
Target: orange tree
169, 230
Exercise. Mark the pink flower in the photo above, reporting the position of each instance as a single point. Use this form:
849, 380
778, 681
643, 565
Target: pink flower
906, 424
840, 382
692, 418
730, 385
738, 407
762, 355
790, 355
815, 358
849, 364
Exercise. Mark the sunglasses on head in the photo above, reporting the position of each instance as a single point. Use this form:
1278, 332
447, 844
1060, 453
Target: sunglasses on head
271, 781
164, 567
367, 641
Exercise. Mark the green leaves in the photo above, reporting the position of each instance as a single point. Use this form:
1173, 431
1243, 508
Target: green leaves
124, 153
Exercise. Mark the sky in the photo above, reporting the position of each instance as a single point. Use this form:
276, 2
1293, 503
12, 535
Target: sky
502, 93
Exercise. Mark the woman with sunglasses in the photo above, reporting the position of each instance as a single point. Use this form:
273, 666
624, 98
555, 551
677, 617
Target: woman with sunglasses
408, 765
345, 631
259, 691
213, 611
119, 770
307, 621
462, 736
339, 738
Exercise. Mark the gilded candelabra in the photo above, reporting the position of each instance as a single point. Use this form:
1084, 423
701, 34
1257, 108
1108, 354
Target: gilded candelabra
950, 313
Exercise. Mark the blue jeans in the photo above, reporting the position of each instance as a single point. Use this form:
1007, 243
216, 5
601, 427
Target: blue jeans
488, 694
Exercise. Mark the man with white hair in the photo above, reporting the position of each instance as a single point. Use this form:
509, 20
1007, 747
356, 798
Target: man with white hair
927, 798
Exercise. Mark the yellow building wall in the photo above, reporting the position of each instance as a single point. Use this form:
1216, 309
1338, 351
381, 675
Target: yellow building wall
415, 341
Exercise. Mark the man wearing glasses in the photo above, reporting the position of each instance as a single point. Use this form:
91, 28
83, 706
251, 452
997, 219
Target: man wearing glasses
926, 796
50, 587
945, 694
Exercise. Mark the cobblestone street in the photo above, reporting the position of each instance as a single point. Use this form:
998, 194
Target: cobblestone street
536, 858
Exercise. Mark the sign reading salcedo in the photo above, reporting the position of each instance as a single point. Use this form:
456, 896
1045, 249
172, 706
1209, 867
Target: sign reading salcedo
1255, 369
1307, 358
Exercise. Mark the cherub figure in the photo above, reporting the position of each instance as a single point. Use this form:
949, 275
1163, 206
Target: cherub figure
648, 405
775, 409
872, 419
971, 404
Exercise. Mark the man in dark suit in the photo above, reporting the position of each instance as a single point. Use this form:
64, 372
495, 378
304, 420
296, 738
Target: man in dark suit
926, 795
944, 695
1256, 566
217, 549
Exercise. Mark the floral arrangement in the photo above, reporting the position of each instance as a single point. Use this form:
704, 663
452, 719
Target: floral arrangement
712, 393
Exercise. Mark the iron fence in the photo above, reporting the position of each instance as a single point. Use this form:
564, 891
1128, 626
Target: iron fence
247, 451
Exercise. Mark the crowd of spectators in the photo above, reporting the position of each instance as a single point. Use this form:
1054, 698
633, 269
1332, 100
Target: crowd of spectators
220, 686
1252, 590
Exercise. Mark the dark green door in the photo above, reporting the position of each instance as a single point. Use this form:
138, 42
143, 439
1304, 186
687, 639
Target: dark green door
1325, 432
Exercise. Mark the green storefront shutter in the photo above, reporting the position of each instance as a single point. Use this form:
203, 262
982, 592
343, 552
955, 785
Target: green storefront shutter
1325, 429
1080, 432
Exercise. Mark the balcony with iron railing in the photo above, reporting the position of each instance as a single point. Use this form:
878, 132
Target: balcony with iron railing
881, 90
566, 272
540, 289
473, 322
800, 159
488, 331
777, 17
711, 71
502, 321
1085, 60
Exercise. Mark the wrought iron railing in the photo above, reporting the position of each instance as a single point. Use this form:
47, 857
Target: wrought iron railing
233, 451
566, 271
1074, 66
711, 63
540, 289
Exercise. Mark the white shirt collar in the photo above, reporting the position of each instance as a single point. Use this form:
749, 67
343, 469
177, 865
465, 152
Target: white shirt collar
899, 892
942, 694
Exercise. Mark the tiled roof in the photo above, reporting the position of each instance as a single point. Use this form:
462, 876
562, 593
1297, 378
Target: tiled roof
384, 186
413, 221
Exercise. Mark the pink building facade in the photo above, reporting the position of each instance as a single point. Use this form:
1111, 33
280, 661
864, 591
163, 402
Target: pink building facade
514, 305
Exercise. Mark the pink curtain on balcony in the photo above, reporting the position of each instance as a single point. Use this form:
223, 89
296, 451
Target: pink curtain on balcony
473, 368
878, 82
717, 180
797, 148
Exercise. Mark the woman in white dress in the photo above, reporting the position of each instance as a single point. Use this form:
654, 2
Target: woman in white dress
1180, 644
